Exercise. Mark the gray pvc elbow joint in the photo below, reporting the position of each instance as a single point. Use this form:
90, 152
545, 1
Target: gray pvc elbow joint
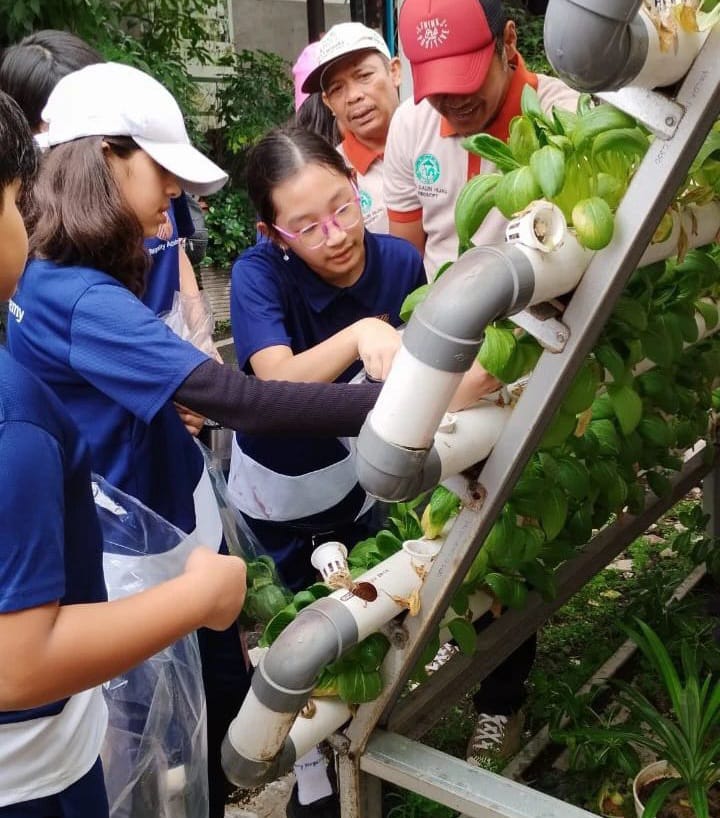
595, 45
319, 635
391, 472
445, 332
485, 283
247, 773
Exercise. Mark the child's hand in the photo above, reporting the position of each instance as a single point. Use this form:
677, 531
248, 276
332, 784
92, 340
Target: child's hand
221, 579
377, 344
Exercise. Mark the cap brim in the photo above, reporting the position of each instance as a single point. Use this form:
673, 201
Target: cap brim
459, 74
195, 172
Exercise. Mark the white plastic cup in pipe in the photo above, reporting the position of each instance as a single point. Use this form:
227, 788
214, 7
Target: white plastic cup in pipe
541, 226
330, 558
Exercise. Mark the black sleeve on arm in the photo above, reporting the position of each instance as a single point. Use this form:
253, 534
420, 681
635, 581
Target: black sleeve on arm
276, 408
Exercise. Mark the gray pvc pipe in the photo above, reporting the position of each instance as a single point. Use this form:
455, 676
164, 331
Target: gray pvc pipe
284, 679
445, 332
595, 45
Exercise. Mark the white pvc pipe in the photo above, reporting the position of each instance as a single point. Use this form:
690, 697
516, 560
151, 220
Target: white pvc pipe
395, 579
328, 716
700, 223
258, 733
255, 732
412, 402
558, 272
469, 437
665, 66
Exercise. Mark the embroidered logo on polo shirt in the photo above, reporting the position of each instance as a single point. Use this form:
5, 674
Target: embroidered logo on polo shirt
427, 169
432, 33
365, 202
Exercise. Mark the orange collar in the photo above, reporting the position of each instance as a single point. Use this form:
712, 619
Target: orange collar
500, 126
360, 156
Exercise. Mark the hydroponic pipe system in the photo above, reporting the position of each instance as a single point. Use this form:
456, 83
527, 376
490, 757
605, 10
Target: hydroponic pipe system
402, 450
607, 45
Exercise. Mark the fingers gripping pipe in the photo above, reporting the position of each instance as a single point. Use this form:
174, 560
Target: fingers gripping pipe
596, 45
395, 457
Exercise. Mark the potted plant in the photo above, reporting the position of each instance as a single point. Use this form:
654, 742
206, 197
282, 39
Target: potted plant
683, 783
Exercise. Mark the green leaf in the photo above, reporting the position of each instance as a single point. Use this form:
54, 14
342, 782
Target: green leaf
659, 484
412, 300
523, 141
476, 200
548, 167
464, 634
608, 356
497, 350
540, 578
530, 104
630, 142
492, 149
442, 506
561, 427
509, 591
516, 190
387, 543
605, 433
598, 120
631, 313
594, 222
573, 477
554, 512
709, 313
627, 406
277, 625
582, 390
579, 526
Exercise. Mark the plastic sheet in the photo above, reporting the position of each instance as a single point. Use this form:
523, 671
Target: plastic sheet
155, 752
191, 318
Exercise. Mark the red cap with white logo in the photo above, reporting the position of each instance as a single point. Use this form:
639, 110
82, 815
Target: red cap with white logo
449, 43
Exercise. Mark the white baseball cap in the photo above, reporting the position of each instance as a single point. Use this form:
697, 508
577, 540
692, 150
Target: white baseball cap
110, 99
343, 39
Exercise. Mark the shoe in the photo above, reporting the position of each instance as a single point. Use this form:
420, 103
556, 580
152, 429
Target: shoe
494, 739
444, 655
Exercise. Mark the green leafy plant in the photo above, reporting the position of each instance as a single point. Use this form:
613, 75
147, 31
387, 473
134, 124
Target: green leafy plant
256, 96
231, 224
687, 737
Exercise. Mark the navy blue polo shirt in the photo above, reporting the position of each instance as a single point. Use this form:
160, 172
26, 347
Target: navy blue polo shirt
115, 366
163, 278
51, 545
274, 302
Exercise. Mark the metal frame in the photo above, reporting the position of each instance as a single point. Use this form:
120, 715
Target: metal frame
365, 750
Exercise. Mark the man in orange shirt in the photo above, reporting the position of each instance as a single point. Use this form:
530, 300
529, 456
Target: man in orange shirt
468, 77
359, 81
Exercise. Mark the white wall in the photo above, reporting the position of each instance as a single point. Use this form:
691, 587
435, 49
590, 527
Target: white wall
279, 25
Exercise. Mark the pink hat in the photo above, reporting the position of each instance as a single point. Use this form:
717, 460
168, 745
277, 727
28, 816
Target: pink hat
449, 43
304, 65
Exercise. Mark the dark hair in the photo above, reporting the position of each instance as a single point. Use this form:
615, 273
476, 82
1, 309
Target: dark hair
315, 116
18, 154
80, 216
280, 154
497, 18
30, 69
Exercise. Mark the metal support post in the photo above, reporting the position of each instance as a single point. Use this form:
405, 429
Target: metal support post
460, 786
315, 19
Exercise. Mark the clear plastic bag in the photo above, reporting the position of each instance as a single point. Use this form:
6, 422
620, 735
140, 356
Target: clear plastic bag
191, 318
155, 751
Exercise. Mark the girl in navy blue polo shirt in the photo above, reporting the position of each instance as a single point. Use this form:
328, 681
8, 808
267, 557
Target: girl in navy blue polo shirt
318, 301
59, 637
119, 153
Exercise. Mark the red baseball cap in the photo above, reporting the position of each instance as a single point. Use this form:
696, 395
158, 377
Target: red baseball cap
449, 43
